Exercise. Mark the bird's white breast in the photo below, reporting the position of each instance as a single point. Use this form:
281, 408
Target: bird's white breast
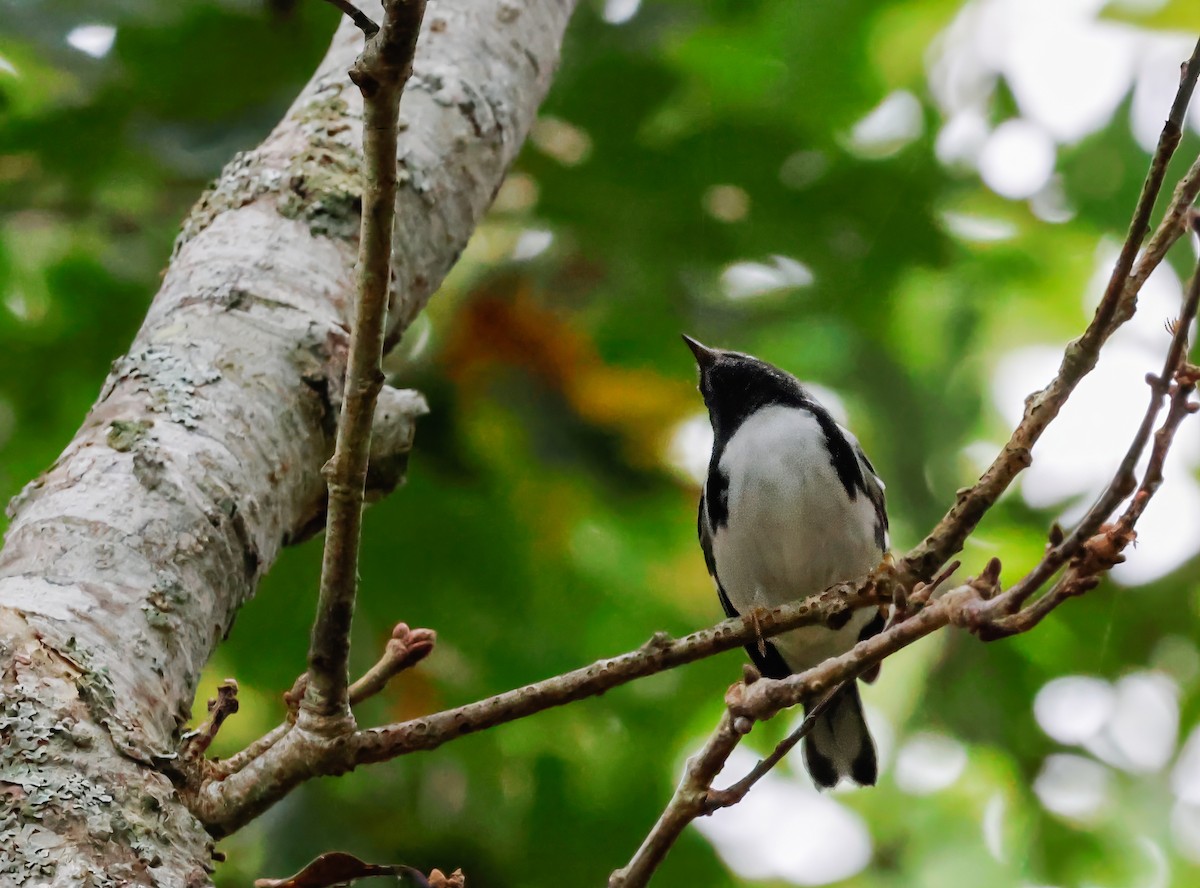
792, 529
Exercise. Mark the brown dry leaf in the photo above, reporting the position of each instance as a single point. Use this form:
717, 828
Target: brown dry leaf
504, 324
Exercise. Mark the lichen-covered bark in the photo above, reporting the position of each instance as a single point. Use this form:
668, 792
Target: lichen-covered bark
126, 562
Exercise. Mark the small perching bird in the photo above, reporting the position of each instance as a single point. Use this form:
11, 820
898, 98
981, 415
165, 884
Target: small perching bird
790, 507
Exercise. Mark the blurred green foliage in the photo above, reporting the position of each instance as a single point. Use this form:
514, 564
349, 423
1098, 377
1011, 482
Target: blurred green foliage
543, 526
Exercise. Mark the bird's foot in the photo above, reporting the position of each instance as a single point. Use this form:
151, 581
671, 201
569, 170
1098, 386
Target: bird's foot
757, 614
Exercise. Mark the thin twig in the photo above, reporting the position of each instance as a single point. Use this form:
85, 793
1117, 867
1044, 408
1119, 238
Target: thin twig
695, 796
196, 743
234, 795
356, 15
1104, 550
1080, 357
380, 73
731, 795
686, 805
1124, 480
1170, 229
405, 649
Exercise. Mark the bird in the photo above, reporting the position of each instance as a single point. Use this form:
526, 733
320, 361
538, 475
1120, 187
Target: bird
791, 506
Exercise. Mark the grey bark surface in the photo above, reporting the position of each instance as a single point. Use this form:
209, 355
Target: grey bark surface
125, 562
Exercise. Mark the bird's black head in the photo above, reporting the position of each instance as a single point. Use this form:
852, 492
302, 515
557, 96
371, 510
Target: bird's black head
734, 385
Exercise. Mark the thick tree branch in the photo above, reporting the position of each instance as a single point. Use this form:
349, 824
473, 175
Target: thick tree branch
125, 563
381, 71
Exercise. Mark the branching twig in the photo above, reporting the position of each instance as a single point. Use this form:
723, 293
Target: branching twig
405, 648
731, 795
380, 73
230, 796
688, 803
1104, 550
1080, 357
196, 743
1124, 481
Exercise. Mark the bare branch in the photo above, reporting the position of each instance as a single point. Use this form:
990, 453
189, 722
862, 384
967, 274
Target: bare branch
1124, 481
731, 795
230, 796
1104, 550
195, 743
1080, 356
406, 648
688, 803
380, 73
695, 796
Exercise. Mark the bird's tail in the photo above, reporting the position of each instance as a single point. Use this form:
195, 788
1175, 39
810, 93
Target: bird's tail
839, 744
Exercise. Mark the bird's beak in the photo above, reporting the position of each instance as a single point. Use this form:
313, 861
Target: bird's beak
705, 356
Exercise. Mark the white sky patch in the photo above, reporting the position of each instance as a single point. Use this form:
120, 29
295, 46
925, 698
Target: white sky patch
1157, 80
1050, 204
8, 67
928, 763
1045, 51
1073, 787
1143, 730
1185, 830
1074, 708
892, 124
961, 139
532, 242
1018, 159
94, 39
1185, 777
618, 12
993, 826
1104, 411
786, 830
690, 446
978, 229
1050, 67
743, 280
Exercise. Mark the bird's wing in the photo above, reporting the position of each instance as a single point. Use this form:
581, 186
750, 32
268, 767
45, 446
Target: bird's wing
705, 535
873, 487
768, 661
